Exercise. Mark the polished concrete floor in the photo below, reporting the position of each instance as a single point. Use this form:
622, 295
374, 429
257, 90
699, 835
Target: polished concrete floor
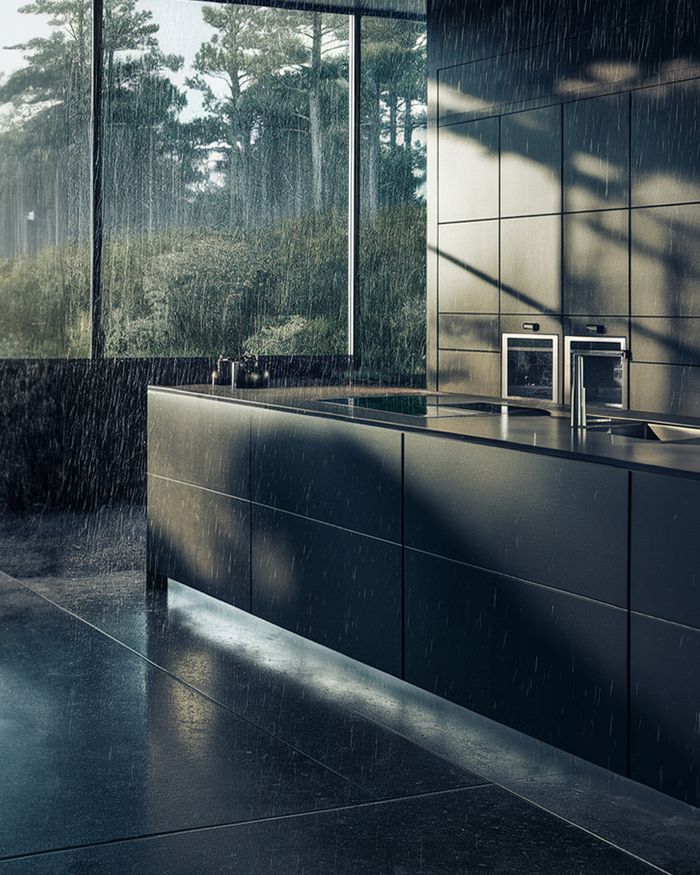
170, 733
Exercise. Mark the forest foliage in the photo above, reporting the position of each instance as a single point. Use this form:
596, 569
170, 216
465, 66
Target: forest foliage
225, 186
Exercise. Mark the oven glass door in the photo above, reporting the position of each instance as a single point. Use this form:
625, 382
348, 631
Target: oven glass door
530, 366
604, 378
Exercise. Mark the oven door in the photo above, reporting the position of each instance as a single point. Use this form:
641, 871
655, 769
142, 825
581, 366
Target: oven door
530, 366
605, 378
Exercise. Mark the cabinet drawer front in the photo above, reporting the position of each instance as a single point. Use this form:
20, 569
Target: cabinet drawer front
338, 472
665, 688
547, 663
554, 521
666, 548
200, 538
332, 586
200, 441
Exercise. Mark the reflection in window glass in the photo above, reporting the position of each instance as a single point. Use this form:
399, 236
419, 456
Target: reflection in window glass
226, 155
45, 85
391, 328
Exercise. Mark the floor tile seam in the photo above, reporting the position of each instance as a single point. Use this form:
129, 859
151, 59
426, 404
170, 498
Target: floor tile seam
368, 793
586, 830
481, 780
395, 800
525, 798
373, 799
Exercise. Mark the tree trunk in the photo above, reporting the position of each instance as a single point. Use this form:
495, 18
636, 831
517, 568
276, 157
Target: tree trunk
375, 130
408, 123
393, 114
315, 114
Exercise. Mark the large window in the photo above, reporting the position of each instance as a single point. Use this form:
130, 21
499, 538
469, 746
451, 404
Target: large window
391, 293
45, 82
225, 190
224, 131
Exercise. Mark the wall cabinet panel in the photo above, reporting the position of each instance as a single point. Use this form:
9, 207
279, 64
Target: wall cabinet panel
531, 162
468, 171
596, 272
468, 267
474, 372
531, 265
596, 153
666, 144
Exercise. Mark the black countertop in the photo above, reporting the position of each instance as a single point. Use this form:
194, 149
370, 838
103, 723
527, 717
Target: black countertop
551, 435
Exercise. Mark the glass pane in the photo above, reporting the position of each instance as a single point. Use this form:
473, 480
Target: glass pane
390, 326
226, 156
45, 178
531, 367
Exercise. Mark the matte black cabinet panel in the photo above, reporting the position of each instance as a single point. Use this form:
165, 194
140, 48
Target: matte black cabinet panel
200, 538
665, 564
468, 180
457, 331
666, 261
549, 664
666, 143
531, 162
665, 687
199, 441
668, 341
335, 587
596, 153
558, 522
468, 267
475, 372
531, 265
338, 472
596, 274
671, 388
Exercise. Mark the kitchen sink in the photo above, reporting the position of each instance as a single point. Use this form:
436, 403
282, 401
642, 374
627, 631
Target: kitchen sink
650, 431
431, 406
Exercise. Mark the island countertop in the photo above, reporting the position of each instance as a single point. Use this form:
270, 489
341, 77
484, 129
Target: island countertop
550, 435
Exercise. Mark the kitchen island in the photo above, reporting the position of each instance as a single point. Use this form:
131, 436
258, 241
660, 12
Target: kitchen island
545, 578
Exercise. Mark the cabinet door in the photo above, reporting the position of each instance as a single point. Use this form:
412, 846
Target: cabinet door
335, 587
665, 712
665, 567
200, 538
554, 521
337, 472
200, 441
549, 664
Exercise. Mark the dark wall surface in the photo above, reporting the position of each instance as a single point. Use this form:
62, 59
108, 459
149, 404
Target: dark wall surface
564, 164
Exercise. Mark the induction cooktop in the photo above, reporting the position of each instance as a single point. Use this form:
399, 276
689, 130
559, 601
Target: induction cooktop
430, 406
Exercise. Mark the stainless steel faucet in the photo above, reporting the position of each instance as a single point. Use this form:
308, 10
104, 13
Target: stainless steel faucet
579, 416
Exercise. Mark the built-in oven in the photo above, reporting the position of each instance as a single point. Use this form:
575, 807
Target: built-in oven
530, 366
605, 378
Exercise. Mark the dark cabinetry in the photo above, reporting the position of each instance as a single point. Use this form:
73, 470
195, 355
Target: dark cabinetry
199, 441
557, 522
468, 180
200, 538
545, 662
336, 587
665, 707
338, 472
665, 565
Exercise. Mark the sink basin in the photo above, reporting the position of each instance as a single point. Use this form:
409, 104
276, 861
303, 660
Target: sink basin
652, 431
